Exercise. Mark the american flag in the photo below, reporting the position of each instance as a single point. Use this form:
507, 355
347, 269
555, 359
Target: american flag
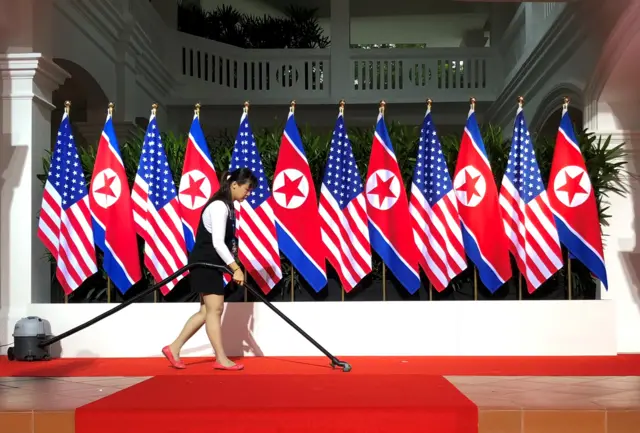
156, 210
65, 219
256, 228
434, 211
343, 210
527, 216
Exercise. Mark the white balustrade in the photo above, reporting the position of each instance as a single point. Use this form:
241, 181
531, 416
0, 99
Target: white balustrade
225, 75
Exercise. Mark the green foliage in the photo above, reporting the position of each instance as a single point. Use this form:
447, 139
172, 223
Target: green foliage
299, 29
605, 165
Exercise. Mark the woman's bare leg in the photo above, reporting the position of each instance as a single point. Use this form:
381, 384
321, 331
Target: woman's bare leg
192, 326
214, 306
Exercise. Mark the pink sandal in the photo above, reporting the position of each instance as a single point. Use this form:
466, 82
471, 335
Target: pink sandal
237, 367
175, 364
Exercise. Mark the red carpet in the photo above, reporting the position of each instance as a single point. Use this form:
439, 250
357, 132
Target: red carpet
230, 403
621, 365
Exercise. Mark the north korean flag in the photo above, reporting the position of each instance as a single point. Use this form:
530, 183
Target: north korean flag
112, 216
390, 224
198, 183
295, 206
573, 202
485, 241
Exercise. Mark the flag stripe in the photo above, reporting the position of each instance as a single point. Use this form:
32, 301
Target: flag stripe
64, 226
342, 209
156, 207
256, 228
433, 208
526, 216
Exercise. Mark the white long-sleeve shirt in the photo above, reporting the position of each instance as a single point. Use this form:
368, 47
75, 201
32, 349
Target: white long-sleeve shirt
214, 218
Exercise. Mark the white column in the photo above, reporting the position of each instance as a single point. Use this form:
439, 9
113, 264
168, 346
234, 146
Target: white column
126, 71
341, 75
28, 79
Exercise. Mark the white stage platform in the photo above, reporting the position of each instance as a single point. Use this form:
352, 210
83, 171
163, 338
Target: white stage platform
420, 328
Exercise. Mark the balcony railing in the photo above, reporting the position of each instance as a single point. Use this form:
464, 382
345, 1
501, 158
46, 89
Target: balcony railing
218, 73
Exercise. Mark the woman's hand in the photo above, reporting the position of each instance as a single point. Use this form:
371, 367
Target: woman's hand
238, 276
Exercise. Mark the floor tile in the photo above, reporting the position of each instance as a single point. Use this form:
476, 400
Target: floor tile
558, 421
16, 422
54, 422
623, 421
500, 421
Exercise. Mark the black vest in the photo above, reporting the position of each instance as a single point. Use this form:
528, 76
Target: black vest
203, 250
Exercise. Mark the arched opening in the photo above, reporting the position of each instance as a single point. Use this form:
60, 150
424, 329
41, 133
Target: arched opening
547, 118
88, 101
549, 127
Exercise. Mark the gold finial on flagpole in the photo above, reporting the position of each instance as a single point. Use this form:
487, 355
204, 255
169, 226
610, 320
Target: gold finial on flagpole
245, 108
472, 102
67, 107
154, 109
382, 106
341, 104
110, 109
520, 101
565, 103
429, 103
196, 110
292, 109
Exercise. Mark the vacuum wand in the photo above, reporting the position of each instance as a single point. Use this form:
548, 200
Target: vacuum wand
335, 362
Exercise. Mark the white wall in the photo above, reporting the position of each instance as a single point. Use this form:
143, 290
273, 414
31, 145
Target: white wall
434, 30
420, 328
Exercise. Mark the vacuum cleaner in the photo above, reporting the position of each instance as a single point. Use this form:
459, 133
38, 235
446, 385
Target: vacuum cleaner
28, 335
36, 335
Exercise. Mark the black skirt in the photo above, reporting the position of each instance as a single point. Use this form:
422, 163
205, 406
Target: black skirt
206, 281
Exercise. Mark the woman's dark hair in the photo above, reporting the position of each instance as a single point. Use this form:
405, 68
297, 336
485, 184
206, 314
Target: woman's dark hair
242, 176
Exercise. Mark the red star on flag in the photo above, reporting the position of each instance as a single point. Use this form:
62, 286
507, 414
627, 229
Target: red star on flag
106, 188
572, 186
194, 189
290, 189
469, 186
383, 189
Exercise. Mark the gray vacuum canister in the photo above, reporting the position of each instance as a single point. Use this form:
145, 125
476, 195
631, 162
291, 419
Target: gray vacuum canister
28, 333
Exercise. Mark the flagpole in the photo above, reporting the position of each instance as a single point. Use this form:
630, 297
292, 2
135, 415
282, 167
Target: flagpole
341, 112
472, 102
565, 106
154, 110
245, 110
520, 104
384, 268
292, 283
475, 283
429, 103
245, 287
384, 282
110, 113
292, 110
569, 288
67, 110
